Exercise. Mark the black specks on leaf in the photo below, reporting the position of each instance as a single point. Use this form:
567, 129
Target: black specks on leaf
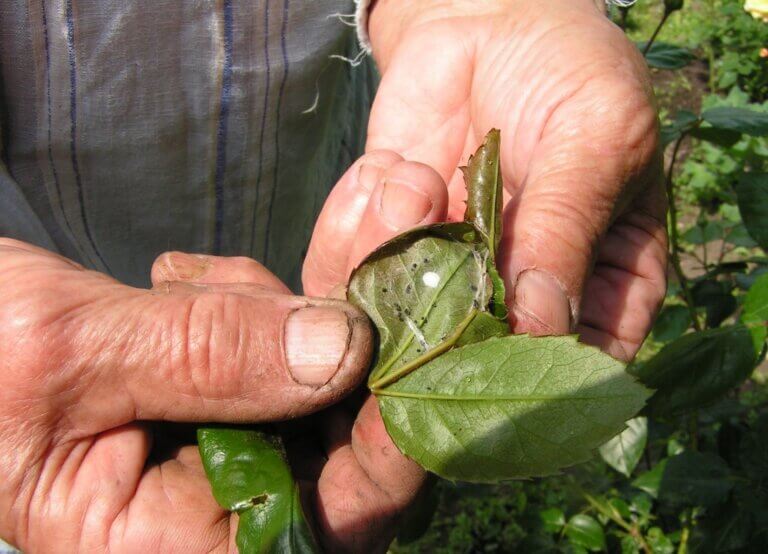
384, 289
408, 289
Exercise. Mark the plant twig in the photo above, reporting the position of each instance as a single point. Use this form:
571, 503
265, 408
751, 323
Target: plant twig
656, 32
674, 238
615, 516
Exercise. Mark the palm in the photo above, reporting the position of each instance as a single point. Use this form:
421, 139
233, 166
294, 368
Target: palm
567, 103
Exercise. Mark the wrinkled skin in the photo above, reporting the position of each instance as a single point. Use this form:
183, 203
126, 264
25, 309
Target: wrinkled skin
84, 360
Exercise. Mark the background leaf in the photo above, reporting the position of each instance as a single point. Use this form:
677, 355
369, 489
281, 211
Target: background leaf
694, 479
509, 407
663, 55
752, 195
249, 475
741, 120
715, 135
697, 369
672, 322
716, 298
553, 519
623, 452
650, 481
585, 531
683, 122
754, 313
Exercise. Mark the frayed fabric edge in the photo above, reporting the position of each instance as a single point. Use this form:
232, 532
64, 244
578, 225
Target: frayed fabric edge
361, 24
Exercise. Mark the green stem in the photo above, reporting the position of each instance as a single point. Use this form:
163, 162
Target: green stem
674, 238
694, 430
416, 363
615, 516
655, 33
684, 535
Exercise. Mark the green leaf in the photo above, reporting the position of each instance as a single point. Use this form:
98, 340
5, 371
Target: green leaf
754, 313
704, 232
740, 120
623, 452
482, 177
553, 519
716, 298
509, 407
423, 290
663, 55
659, 542
695, 479
697, 369
683, 122
672, 322
456, 394
585, 531
752, 196
650, 481
249, 474
484, 191
715, 135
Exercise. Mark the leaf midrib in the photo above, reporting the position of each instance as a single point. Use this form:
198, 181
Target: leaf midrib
511, 398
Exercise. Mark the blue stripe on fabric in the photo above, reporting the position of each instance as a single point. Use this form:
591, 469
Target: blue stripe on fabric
73, 127
221, 134
281, 93
54, 171
263, 124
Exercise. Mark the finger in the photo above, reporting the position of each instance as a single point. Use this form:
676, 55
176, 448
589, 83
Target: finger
213, 353
364, 487
409, 194
328, 254
628, 284
569, 199
199, 268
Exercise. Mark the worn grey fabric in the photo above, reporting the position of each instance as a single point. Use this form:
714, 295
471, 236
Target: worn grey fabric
133, 127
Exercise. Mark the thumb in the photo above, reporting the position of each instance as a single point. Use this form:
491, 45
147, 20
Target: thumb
227, 353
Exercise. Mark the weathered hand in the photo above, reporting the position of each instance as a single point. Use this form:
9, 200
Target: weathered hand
584, 246
86, 362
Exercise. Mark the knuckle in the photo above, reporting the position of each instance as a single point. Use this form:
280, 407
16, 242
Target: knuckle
213, 344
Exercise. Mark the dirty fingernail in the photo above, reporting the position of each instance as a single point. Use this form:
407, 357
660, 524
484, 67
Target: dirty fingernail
539, 297
316, 340
185, 267
404, 206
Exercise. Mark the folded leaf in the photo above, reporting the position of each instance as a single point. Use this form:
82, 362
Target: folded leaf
509, 407
484, 191
250, 475
423, 291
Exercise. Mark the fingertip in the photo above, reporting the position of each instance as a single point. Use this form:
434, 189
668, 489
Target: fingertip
409, 194
338, 222
412, 194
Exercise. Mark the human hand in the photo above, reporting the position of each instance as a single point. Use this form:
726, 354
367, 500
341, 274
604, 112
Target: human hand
86, 362
584, 246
